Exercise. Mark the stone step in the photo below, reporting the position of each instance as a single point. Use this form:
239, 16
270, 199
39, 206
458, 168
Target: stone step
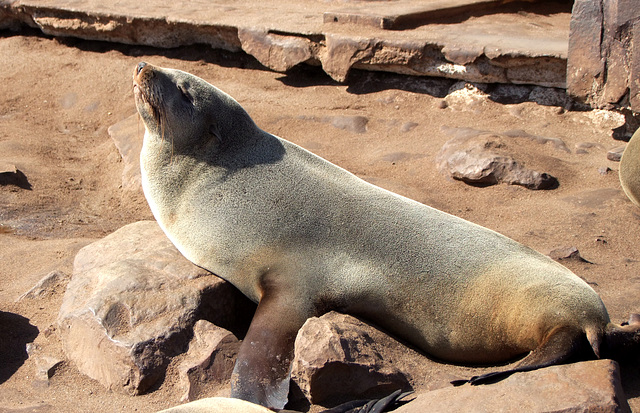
523, 44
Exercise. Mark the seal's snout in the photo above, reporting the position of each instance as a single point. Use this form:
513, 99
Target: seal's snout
140, 66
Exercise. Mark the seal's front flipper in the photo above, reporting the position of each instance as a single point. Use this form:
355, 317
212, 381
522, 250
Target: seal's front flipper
559, 347
263, 367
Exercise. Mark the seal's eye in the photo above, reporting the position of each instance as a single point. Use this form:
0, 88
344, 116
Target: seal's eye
185, 93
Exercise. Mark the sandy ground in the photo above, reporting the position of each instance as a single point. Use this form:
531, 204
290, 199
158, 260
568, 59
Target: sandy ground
57, 99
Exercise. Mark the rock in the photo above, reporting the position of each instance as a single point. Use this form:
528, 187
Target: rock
219, 405
604, 170
548, 96
131, 304
582, 148
589, 386
127, 136
484, 159
355, 124
210, 358
464, 96
277, 52
45, 365
338, 356
567, 253
615, 154
11, 175
604, 56
46, 286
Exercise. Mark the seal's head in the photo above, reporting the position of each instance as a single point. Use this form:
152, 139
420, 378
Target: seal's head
183, 109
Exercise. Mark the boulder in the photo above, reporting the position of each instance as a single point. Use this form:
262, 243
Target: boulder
338, 357
131, 304
484, 158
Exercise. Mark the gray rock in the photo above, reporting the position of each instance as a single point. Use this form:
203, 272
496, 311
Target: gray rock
591, 386
548, 96
566, 254
484, 159
338, 356
131, 304
615, 154
46, 286
210, 359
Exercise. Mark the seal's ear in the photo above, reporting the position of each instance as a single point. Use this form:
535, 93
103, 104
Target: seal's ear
214, 131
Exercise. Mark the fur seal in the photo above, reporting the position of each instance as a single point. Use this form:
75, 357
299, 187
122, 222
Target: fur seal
301, 236
630, 169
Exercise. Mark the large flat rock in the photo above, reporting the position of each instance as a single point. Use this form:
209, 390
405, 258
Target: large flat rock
440, 38
592, 386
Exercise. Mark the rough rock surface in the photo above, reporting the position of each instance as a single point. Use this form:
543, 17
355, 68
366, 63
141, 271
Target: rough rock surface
529, 47
338, 356
604, 56
210, 359
127, 136
131, 303
592, 386
484, 158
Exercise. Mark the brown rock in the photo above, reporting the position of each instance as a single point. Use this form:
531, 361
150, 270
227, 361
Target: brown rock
615, 154
46, 286
210, 359
131, 303
340, 357
603, 57
127, 136
592, 386
484, 159
566, 253
277, 52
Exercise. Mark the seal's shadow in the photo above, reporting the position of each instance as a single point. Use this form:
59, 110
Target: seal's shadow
15, 333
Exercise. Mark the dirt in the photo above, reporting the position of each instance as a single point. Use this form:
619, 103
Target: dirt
58, 98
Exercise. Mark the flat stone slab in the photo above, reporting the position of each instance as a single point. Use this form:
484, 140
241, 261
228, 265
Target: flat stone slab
498, 47
592, 386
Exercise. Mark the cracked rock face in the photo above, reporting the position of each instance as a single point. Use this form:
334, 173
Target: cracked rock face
338, 356
483, 159
131, 304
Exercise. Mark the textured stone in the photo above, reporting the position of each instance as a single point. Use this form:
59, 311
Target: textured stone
603, 59
489, 48
480, 158
131, 303
338, 356
46, 286
277, 52
592, 386
210, 358
566, 254
615, 154
127, 136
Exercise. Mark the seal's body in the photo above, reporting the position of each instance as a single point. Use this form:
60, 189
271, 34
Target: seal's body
301, 236
630, 169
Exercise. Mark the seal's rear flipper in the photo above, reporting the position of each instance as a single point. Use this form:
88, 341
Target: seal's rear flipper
371, 406
560, 346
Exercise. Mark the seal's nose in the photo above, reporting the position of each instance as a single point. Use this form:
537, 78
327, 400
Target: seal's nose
141, 65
